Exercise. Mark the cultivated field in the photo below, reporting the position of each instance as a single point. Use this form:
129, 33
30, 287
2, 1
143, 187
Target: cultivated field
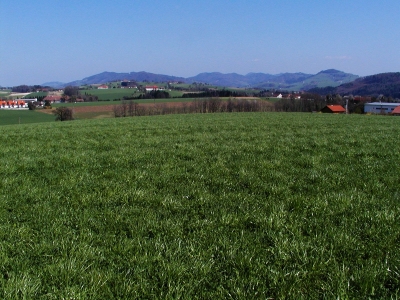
206, 206
23, 116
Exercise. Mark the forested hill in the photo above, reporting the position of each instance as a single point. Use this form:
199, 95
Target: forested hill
113, 76
324, 78
387, 84
287, 81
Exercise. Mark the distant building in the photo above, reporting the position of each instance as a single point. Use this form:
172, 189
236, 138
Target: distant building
334, 109
52, 98
150, 88
102, 87
126, 84
380, 107
18, 103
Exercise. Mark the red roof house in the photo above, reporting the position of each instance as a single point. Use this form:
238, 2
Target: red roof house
52, 98
151, 88
334, 109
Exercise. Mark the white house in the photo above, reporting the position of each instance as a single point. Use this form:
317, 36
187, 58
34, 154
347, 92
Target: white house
150, 88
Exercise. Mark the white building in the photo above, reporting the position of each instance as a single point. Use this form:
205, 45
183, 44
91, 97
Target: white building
380, 107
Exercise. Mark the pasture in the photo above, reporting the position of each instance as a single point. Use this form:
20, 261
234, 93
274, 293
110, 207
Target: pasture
23, 116
111, 94
119, 93
203, 206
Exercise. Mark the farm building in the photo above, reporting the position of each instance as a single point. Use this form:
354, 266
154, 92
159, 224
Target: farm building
128, 84
380, 107
102, 87
53, 98
334, 109
151, 88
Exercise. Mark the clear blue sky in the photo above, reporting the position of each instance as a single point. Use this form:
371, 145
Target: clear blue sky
54, 40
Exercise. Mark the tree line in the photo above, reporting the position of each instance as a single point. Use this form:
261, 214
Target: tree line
149, 95
200, 105
28, 88
215, 93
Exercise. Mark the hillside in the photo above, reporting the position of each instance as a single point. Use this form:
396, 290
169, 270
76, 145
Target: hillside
387, 84
302, 81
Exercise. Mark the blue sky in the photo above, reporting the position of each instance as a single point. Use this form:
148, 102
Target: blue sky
53, 40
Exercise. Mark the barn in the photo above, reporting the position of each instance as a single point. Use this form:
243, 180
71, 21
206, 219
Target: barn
380, 107
334, 109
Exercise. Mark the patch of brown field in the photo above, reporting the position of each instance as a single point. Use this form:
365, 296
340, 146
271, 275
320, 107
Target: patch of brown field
246, 98
45, 111
98, 109
110, 108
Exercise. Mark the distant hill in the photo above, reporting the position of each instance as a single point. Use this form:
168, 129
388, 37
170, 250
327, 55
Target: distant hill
261, 80
112, 76
301, 81
54, 84
387, 84
220, 79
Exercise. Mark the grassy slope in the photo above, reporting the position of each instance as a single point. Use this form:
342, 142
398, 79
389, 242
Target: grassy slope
209, 206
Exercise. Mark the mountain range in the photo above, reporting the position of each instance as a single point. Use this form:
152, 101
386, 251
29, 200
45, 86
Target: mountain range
325, 82
286, 81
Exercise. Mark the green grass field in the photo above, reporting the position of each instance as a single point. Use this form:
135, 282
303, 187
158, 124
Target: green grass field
11, 117
206, 206
36, 95
111, 94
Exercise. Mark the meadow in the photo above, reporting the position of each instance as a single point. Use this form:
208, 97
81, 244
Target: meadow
201, 206
23, 116
118, 93
111, 94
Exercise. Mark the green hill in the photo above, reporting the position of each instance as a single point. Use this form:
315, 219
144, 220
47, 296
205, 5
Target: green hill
387, 84
322, 79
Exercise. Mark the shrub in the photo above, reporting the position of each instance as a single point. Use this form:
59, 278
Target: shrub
31, 106
47, 104
63, 114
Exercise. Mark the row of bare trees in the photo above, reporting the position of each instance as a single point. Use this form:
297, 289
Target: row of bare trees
201, 105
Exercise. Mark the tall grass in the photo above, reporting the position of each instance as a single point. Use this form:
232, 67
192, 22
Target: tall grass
250, 205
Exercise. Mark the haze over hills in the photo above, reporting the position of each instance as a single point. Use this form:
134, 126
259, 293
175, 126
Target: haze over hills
288, 81
387, 84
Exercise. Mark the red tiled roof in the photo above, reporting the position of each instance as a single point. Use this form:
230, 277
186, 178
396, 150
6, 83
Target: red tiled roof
336, 108
396, 110
52, 98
